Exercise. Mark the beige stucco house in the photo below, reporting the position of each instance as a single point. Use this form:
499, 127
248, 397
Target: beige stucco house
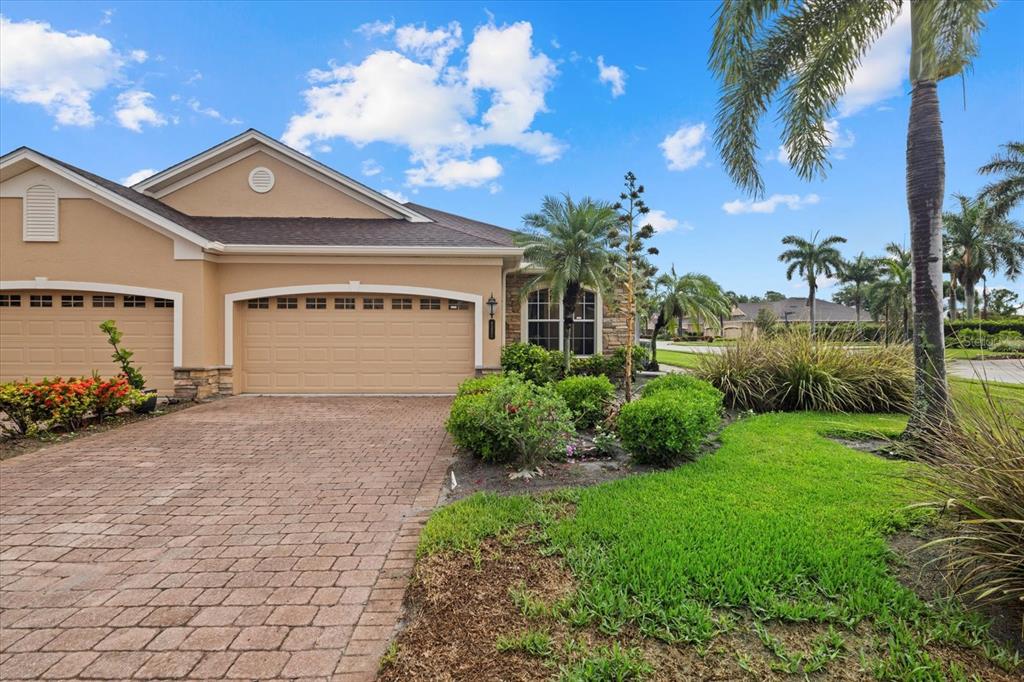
251, 267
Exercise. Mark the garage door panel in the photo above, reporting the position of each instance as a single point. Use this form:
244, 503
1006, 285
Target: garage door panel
360, 350
66, 341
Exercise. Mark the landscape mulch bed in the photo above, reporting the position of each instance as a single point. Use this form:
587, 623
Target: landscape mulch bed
13, 446
459, 604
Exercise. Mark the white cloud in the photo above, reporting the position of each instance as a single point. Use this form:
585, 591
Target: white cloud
108, 16
661, 222
138, 56
133, 110
194, 78
376, 28
58, 71
397, 196
417, 101
793, 202
434, 46
196, 106
685, 148
612, 75
138, 176
455, 173
839, 139
883, 70
371, 167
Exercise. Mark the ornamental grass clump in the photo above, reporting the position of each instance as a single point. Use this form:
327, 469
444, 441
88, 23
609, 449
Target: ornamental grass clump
976, 470
792, 372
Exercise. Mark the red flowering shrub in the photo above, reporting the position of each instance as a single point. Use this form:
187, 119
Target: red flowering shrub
30, 406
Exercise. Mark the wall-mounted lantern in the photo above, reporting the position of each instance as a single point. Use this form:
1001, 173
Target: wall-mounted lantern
491, 305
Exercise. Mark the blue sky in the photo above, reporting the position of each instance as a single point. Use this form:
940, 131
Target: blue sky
483, 108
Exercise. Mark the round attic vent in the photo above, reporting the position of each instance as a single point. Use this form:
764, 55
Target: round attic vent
261, 179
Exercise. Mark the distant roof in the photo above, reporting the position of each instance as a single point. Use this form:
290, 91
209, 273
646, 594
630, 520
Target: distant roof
442, 230
796, 310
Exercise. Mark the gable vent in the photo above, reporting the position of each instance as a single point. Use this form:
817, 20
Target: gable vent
39, 223
261, 179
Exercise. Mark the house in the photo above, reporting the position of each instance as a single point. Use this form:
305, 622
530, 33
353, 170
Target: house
250, 267
791, 310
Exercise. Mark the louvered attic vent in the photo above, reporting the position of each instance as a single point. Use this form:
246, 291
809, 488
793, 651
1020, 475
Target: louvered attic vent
261, 179
39, 223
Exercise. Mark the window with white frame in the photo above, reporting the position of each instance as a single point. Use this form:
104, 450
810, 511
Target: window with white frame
544, 322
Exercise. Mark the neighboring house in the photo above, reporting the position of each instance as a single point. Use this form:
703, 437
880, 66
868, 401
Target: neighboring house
251, 267
790, 310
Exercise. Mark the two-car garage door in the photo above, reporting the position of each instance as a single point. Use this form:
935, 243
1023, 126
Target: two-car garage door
354, 343
56, 333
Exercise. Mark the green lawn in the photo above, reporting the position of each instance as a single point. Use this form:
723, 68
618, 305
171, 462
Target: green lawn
678, 358
780, 523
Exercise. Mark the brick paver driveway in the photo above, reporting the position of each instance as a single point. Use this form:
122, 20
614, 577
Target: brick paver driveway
248, 538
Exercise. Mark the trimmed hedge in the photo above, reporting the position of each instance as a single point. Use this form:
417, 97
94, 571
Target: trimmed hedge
669, 426
587, 397
991, 326
536, 364
677, 382
478, 385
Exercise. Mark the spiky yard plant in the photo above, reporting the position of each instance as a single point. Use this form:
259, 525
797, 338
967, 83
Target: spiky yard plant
805, 54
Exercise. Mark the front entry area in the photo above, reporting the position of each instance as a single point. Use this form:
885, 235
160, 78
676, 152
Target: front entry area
354, 343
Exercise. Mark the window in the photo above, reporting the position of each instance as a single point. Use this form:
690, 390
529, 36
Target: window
345, 303
39, 219
316, 303
542, 320
10, 300
258, 303
40, 301
72, 301
457, 305
103, 301
430, 304
583, 324
134, 301
373, 304
401, 304
287, 303
163, 303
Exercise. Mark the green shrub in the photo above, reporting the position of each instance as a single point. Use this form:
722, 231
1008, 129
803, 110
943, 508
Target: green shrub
122, 356
612, 366
794, 372
676, 382
477, 385
23, 411
669, 426
969, 338
992, 326
1009, 335
515, 421
31, 406
587, 397
534, 363
1008, 346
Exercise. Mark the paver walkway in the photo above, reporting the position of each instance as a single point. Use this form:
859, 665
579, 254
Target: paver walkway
250, 538
1007, 371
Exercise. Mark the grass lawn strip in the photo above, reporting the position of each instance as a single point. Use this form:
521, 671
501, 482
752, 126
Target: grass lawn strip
780, 526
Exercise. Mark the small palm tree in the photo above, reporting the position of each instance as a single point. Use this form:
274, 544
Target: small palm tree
1008, 191
805, 54
891, 294
692, 295
859, 272
568, 242
811, 258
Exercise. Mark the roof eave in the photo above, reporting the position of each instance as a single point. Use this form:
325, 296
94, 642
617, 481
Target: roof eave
326, 249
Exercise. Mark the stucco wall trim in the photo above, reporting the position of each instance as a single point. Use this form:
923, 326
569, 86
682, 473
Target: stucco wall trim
100, 287
353, 287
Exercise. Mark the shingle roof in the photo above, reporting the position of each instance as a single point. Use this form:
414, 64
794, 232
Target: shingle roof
825, 311
447, 229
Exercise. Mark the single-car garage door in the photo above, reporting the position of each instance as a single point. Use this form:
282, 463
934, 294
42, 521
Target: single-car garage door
56, 333
355, 343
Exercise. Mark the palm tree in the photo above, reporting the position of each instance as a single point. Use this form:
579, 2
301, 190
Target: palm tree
891, 294
568, 242
859, 272
1008, 191
692, 295
979, 240
809, 52
810, 258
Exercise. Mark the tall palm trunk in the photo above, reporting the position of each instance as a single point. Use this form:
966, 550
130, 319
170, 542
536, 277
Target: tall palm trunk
984, 297
572, 292
926, 178
811, 304
856, 303
952, 297
969, 298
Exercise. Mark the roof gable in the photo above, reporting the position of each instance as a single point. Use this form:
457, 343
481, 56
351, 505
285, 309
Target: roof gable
251, 141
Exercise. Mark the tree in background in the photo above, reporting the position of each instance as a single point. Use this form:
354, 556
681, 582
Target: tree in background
890, 296
858, 273
809, 52
568, 242
628, 237
1008, 191
773, 296
810, 258
767, 322
1005, 302
692, 295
